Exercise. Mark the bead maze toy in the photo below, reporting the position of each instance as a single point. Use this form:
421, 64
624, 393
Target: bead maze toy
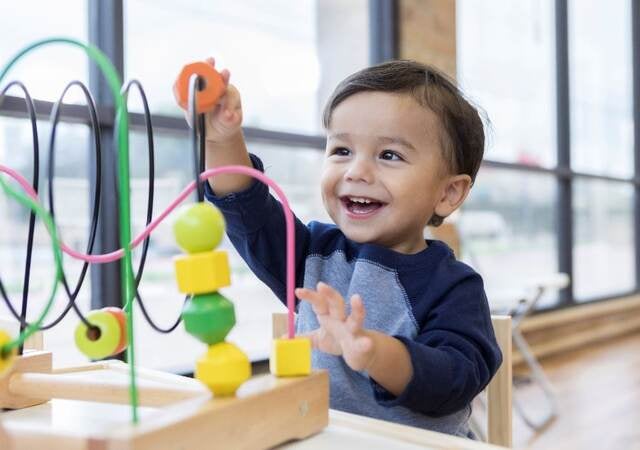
224, 406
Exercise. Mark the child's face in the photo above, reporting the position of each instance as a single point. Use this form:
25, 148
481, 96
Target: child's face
384, 174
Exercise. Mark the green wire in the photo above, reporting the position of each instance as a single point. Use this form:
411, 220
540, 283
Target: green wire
122, 127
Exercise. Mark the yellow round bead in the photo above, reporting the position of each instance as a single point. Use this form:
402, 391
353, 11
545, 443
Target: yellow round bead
199, 227
6, 360
223, 369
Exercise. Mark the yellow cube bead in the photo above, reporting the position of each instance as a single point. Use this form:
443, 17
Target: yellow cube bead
290, 357
200, 273
7, 360
223, 369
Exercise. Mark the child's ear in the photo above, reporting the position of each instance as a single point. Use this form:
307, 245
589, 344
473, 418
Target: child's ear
454, 191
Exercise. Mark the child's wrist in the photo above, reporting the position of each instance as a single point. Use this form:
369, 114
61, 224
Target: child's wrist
226, 140
373, 351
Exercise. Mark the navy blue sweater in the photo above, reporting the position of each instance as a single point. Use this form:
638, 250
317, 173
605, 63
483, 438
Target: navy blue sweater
431, 302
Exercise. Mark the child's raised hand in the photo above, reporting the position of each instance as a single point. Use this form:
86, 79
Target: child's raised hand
225, 120
339, 334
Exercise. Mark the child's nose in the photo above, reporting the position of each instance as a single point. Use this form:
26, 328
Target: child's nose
360, 170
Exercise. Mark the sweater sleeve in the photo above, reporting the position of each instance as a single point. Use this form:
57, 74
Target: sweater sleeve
454, 355
255, 225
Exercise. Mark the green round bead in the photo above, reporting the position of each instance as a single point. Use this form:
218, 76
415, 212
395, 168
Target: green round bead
110, 334
209, 317
199, 227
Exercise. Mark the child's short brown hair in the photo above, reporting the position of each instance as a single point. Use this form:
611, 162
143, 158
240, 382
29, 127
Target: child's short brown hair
463, 137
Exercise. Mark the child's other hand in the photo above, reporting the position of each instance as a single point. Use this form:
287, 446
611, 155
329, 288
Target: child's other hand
339, 334
225, 120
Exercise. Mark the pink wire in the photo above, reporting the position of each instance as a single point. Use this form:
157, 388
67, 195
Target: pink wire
115, 255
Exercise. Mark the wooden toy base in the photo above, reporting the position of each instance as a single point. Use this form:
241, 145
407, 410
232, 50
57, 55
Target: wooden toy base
265, 412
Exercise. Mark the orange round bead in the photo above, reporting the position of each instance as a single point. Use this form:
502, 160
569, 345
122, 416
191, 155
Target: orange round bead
122, 321
207, 97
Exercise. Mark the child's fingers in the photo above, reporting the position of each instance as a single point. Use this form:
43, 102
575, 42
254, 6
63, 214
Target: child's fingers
226, 75
318, 302
355, 321
231, 99
334, 299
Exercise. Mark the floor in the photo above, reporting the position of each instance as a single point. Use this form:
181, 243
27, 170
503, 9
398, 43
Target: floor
598, 391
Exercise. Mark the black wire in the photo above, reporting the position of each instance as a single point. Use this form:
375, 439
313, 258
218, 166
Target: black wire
201, 126
5, 297
152, 323
197, 133
36, 174
151, 184
32, 216
145, 245
54, 118
71, 296
95, 128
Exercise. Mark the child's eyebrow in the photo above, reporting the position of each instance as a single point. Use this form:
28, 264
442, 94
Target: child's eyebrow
341, 136
382, 139
396, 140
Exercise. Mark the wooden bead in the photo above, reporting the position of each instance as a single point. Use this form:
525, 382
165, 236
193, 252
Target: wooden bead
290, 357
223, 369
119, 314
6, 359
101, 341
201, 273
198, 228
207, 98
209, 317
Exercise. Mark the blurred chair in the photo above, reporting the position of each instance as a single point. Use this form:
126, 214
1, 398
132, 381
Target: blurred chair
517, 304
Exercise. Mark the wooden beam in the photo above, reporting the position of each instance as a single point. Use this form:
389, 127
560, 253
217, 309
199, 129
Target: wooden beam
560, 331
88, 387
580, 313
499, 396
33, 362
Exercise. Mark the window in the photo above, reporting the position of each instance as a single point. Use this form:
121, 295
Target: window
603, 245
505, 60
285, 64
509, 58
602, 144
45, 71
508, 225
72, 219
285, 57
601, 100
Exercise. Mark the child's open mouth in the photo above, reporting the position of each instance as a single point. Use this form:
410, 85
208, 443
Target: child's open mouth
361, 207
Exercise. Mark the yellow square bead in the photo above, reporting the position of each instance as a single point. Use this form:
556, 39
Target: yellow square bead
290, 357
200, 273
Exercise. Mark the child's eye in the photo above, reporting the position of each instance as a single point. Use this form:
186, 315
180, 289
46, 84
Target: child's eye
341, 151
390, 155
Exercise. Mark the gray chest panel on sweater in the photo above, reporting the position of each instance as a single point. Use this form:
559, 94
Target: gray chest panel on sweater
387, 310
385, 301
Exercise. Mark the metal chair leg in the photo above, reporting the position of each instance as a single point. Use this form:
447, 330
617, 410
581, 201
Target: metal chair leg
539, 377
